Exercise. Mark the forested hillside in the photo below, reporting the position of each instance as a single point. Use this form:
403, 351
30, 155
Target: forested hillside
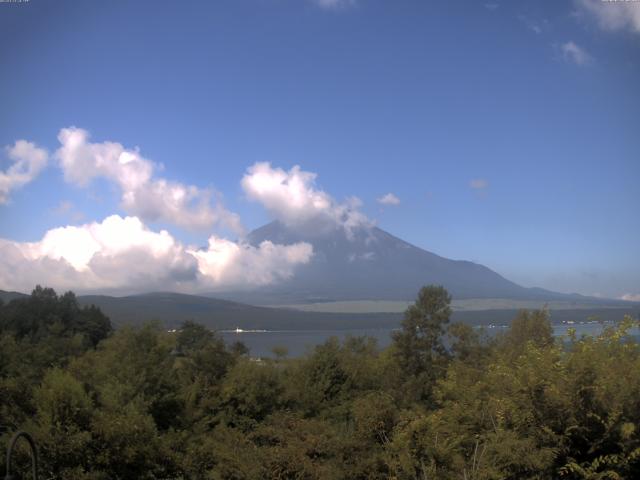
144, 403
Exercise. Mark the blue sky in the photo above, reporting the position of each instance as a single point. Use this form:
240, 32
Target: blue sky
508, 131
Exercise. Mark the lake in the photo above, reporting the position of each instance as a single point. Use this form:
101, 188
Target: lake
299, 342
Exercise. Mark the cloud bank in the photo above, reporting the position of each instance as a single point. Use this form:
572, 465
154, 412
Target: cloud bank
142, 193
122, 254
28, 162
293, 198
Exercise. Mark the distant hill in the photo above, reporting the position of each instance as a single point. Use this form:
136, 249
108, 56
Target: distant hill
174, 308
372, 264
171, 309
8, 296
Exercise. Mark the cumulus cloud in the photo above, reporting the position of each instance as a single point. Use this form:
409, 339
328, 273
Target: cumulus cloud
611, 15
479, 184
28, 162
143, 194
574, 53
631, 297
293, 198
225, 263
122, 254
389, 199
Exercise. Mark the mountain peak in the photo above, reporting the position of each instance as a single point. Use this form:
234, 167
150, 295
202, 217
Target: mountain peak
372, 264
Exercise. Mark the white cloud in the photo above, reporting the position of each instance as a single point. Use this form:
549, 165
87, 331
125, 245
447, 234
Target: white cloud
143, 194
334, 4
491, 6
478, 184
631, 297
28, 162
389, 199
612, 15
293, 198
574, 53
226, 264
122, 254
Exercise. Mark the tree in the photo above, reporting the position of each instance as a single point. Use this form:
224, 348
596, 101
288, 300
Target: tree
322, 378
467, 344
44, 315
527, 327
62, 423
193, 337
418, 347
250, 392
94, 324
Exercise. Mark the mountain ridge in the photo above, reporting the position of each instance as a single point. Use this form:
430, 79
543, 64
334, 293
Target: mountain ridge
369, 263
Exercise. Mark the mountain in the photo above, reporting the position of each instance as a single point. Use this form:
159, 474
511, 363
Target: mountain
371, 264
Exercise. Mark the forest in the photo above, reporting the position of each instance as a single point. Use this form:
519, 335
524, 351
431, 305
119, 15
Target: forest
444, 401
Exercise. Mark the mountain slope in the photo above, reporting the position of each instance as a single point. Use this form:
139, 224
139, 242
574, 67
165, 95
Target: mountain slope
372, 264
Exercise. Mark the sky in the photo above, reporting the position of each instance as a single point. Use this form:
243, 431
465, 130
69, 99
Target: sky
142, 140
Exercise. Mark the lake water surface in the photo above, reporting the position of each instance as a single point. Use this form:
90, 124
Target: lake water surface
299, 342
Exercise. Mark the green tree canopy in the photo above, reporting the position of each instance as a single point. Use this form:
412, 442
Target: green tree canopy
419, 347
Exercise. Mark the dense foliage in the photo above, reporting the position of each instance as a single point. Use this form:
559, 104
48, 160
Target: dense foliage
443, 402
